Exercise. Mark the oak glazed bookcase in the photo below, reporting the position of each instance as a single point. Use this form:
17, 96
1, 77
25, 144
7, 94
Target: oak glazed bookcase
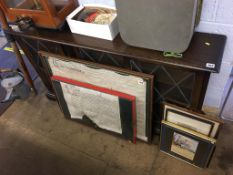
180, 80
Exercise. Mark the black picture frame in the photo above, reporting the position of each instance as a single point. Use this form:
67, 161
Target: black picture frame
126, 104
204, 145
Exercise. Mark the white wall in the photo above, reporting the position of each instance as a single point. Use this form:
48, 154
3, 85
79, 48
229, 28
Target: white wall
217, 17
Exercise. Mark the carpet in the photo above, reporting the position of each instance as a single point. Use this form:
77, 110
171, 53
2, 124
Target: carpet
8, 60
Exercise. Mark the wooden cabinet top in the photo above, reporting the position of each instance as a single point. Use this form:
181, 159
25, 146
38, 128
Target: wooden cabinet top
204, 53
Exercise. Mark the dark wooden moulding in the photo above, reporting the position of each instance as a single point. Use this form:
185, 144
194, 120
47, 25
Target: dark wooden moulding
182, 81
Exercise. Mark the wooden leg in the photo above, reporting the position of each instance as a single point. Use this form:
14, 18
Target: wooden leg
199, 90
23, 66
17, 52
51, 96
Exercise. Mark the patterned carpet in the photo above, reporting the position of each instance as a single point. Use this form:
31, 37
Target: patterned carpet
8, 60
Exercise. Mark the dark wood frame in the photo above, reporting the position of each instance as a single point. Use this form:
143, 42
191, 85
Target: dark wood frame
212, 121
48, 17
190, 116
148, 78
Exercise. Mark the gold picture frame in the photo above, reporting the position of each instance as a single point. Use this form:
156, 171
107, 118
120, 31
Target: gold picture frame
187, 145
200, 123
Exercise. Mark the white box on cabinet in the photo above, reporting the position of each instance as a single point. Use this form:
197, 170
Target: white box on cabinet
108, 32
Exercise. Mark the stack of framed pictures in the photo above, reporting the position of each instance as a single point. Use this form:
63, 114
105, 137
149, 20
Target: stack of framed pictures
188, 135
113, 80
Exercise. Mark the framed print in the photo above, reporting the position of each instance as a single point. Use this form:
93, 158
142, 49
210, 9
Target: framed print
133, 83
104, 108
185, 144
200, 123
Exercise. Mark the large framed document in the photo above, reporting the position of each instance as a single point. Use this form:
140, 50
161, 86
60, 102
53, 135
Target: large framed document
104, 108
129, 82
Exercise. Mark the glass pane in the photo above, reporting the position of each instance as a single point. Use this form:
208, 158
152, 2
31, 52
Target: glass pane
24, 4
59, 4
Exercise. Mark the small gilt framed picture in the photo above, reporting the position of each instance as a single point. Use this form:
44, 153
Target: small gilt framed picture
203, 124
187, 145
188, 135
